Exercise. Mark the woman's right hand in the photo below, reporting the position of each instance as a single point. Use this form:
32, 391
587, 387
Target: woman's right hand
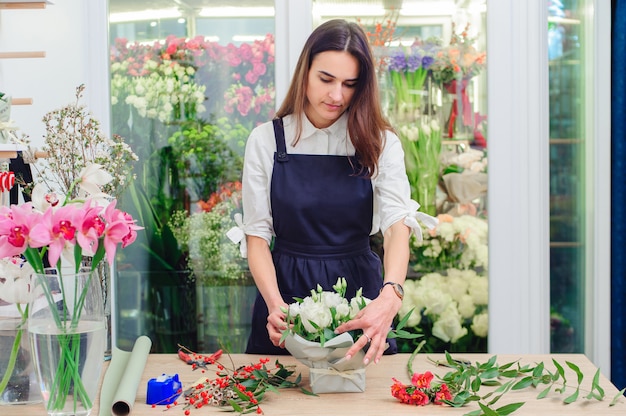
276, 325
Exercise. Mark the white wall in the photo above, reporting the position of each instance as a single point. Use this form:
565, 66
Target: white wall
71, 34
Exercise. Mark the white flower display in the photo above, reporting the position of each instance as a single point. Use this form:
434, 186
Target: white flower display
449, 308
168, 93
456, 242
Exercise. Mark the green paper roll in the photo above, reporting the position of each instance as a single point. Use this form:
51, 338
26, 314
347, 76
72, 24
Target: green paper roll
121, 381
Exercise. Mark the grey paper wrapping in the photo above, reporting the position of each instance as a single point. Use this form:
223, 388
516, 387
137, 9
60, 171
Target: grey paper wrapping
121, 381
329, 371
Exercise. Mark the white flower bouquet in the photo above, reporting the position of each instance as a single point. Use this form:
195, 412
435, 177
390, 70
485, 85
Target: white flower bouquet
312, 341
311, 338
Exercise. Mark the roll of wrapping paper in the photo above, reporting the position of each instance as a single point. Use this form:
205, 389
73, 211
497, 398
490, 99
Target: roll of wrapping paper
121, 381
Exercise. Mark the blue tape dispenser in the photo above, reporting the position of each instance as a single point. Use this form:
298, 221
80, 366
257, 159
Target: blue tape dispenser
163, 389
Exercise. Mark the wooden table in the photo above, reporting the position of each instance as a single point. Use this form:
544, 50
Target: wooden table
377, 399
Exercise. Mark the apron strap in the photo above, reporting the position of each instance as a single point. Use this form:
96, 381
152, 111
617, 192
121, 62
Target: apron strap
279, 135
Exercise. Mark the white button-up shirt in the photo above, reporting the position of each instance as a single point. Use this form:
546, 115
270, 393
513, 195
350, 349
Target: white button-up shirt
392, 194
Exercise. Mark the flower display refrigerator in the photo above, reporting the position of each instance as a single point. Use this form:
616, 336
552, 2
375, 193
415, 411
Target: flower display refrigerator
519, 82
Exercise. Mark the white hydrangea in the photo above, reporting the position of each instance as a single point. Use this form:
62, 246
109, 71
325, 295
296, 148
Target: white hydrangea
480, 325
448, 325
451, 300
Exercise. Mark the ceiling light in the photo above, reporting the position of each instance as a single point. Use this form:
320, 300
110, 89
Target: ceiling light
237, 12
348, 10
144, 15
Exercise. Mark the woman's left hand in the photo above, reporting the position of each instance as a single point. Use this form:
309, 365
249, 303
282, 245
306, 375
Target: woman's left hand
375, 320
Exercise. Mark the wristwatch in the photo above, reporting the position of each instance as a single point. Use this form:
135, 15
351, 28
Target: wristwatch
397, 287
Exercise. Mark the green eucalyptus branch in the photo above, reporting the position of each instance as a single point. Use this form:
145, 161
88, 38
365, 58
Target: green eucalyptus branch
465, 380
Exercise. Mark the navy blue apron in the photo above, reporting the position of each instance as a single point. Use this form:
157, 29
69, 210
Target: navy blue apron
322, 207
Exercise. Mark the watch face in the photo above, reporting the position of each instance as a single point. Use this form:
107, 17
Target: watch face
399, 289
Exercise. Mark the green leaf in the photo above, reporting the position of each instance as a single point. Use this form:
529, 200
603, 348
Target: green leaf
544, 393
509, 373
490, 373
401, 324
619, 395
509, 408
523, 383
494, 400
572, 398
476, 383
576, 370
489, 364
538, 371
307, 392
595, 386
559, 374
487, 411
235, 406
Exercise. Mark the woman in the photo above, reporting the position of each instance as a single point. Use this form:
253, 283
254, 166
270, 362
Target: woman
317, 181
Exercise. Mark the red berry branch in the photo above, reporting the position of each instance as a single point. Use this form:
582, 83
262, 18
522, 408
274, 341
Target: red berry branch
240, 388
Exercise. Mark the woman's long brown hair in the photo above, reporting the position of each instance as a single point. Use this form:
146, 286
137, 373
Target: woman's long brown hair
366, 122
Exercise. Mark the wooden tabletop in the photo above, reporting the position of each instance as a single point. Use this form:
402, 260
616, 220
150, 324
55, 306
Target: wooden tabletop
377, 399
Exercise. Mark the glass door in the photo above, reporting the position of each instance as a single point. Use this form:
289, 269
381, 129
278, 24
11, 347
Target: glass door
187, 87
431, 68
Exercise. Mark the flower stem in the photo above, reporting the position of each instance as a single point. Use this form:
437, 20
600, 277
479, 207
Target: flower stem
12, 359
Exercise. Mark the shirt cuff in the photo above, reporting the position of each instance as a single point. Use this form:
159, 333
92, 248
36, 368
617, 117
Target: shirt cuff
413, 219
238, 236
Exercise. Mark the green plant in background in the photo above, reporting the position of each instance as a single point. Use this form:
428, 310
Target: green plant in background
156, 239
213, 258
204, 158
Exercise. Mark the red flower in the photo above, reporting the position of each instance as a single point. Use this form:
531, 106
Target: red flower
422, 381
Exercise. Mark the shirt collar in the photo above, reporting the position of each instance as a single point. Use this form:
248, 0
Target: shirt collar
337, 129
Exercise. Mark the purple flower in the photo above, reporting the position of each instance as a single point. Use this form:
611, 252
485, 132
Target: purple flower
397, 61
414, 62
427, 61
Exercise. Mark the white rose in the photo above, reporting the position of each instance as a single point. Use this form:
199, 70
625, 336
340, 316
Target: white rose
331, 299
342, 310
448, 326
466, 306
479, 290
435, 301
456, 286
355, 304
318, 314
480, 325
294, 309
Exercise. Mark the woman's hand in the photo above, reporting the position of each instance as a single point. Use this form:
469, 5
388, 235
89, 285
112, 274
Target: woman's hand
276, 324
375, 320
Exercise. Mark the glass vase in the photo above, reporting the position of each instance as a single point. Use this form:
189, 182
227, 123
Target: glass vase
68, 338
458, 112
18, 381
224, 317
